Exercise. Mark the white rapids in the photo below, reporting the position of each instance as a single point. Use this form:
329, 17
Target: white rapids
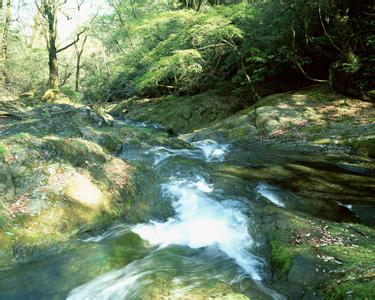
201, 221
208, 150
270, 193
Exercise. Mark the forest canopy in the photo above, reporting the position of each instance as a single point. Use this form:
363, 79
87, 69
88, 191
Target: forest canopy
153, 48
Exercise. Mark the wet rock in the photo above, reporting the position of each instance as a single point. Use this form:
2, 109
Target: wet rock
303, 270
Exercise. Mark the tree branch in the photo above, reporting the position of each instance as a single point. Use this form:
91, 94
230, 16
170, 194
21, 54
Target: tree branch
307, 75
326, 33
72, 43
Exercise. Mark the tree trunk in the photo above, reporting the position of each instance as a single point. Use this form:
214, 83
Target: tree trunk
53, 82
4, 43
78, 63
35, 31
199, 4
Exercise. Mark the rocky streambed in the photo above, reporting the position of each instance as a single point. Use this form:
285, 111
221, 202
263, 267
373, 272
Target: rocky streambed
274, 201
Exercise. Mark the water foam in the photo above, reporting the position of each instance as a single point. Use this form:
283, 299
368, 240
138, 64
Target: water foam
208, 150
111, 233
212, 150
120, 284
201, 221
163, 153
270, 193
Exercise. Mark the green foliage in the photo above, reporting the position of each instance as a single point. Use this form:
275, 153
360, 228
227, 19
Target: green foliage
27, 67
162, 47
2, 151
183, 68
171, 52
69, 92
280, 256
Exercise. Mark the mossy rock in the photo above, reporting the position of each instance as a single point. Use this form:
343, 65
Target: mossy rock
6, 249
64, 182
320, 258
180, 114
51, 95
365, 145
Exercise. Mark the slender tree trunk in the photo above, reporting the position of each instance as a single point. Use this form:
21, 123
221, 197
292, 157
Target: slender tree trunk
199, 4
35, 31
79, 53
53, 82
4, 43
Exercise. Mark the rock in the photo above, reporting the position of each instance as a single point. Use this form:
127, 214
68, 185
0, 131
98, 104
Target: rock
365, 145
60, 178
50, 95
270, 118
7, 190
180, 114
303, 270
81, 189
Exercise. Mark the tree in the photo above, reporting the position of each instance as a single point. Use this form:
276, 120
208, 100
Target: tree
79, 52
35, 31
49, 9
4, 42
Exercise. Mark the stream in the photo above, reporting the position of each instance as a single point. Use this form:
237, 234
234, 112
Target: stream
194, 236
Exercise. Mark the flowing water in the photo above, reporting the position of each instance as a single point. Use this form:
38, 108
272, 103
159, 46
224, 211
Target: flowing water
196, 234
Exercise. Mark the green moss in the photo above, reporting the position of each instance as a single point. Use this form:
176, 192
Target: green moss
182, 114
2, 151
21, 135
50, 151
280, 256
354, 289
6, 250
75, 151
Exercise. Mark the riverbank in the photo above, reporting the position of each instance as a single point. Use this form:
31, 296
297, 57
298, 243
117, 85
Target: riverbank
60, 177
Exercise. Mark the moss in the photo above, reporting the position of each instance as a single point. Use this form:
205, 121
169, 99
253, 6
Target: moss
2, 151
355, 277
75, 151
51, 148
6, 250
283, 251
51, 95
182, 114
37, 235
343, 255
359, 289
280, 256
21, 135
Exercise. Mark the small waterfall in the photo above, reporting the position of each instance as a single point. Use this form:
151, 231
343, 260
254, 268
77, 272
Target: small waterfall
207, 150
204, 219
270, 193
201, 221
